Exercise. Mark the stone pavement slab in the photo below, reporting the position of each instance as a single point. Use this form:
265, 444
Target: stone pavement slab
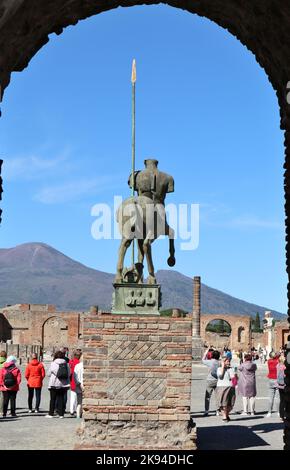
242, 432
34, 431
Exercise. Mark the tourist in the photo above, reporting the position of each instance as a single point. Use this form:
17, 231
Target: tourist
211, 380
65, 351
226, 392
247, 384
58, 385
273, 386
227, 353
240, 356
281, 384
73, 395
10, 378
209, 353
264, 355
34, 374
78, 379
3, 357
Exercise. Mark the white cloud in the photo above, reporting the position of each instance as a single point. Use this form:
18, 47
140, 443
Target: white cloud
76, 190
33, 167
221, 215
250, 221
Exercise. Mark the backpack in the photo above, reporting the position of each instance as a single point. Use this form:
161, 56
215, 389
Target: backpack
9, 380
62, 372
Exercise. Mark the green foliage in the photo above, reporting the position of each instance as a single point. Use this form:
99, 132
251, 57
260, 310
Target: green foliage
219, 326
256, 324
168, 312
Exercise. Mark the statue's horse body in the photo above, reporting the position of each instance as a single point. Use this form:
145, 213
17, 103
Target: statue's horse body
143, 218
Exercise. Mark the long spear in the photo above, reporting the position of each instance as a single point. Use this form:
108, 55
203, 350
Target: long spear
133, 81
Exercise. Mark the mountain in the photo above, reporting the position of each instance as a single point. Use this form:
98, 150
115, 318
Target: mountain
37, 273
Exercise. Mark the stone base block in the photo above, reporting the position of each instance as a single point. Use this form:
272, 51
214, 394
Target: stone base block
117, 435
137, 382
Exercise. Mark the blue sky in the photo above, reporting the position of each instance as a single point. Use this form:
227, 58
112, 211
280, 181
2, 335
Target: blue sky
205, 110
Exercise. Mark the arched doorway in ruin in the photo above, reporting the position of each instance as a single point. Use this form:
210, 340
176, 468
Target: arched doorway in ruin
218, 333
235, 331
54, 333
25, 28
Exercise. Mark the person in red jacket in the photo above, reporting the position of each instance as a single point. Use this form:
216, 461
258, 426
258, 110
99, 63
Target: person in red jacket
10, 378
73, 396
34, 374
273, 386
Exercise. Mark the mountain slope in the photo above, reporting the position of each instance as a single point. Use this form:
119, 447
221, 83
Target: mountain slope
37, 273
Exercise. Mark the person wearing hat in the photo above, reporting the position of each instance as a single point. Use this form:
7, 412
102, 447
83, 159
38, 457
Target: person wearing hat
10, 378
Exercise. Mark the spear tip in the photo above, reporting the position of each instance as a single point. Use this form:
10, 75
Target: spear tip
133, 76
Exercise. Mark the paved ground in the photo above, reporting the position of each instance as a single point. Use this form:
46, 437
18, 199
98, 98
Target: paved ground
242, 432
33, 431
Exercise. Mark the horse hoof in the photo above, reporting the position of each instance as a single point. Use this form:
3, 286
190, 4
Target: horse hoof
151, 280
171, 261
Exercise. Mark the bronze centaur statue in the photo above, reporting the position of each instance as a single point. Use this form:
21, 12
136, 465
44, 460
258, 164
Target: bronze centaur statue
143, 218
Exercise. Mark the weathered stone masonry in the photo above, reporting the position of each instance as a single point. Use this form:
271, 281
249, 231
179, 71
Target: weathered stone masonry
41, 325
137, 383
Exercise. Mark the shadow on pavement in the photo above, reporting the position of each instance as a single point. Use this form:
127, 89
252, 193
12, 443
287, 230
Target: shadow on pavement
229, 437
9, 418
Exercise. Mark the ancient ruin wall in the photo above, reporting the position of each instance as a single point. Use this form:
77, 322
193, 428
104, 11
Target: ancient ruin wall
137, 383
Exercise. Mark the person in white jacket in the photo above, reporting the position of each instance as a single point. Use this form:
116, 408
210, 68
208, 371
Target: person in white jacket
78, 377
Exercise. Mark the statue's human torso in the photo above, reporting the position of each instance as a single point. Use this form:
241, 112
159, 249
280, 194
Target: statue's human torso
153, 184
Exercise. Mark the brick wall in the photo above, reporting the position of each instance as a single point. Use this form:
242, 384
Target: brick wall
40, 325
137, 378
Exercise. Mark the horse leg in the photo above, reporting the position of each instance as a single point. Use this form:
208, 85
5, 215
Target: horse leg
125, 243
140, 260
140, 251
148, 253
170, 233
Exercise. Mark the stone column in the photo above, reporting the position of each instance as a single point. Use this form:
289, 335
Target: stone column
196, 307
197, 343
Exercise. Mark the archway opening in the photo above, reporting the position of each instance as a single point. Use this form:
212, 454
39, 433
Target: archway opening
218, 333
49, 198
54, 334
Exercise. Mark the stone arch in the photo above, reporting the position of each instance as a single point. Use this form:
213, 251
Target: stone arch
218, 339
5, 328
263, 27
54, 332
30, 23
238, 324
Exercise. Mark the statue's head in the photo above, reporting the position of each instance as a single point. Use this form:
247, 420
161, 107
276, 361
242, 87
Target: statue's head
151, 162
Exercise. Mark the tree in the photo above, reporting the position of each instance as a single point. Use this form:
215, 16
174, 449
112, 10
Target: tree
220, 326
257, 322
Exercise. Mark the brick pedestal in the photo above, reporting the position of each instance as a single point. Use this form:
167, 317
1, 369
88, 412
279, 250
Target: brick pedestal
137, 378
